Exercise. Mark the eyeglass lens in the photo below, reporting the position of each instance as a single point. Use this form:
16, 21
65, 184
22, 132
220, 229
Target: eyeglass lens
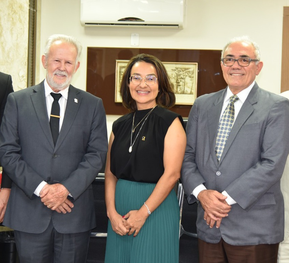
243, 61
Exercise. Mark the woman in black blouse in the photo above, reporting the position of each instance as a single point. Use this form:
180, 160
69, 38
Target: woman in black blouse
145, 155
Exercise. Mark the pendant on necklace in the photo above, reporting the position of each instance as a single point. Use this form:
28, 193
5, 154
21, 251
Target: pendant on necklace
130, 149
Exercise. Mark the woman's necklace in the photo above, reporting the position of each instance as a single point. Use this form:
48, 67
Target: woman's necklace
143, 120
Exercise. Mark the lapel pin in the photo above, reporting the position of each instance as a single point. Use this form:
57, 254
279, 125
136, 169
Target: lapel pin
75, 100
143, 138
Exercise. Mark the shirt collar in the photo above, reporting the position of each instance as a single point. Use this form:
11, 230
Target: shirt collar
242, 95
48, 90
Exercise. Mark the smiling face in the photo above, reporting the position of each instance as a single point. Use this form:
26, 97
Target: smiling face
143, 94
239, 78
60, 65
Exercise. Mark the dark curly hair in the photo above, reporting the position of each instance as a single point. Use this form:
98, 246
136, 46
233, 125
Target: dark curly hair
165, 98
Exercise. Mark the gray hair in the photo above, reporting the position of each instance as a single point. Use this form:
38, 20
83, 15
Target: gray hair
64, 38
247, 40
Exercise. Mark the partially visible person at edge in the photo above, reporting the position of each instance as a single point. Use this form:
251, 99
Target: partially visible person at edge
240, 205
51, 205
145, 155
6, 87
283, 253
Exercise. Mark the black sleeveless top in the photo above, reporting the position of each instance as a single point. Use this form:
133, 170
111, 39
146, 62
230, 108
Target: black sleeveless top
145, 162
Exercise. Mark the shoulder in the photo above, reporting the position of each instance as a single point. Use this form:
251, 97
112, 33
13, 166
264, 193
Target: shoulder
84, 94
167, 116
164, 113
21, 94
121, 121
285, 94
210, 97
4, 76
269, 98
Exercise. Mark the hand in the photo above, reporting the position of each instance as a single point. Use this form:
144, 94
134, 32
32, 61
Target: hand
215, 206
4, 196
211, 222
135, 219
53, 195
66, 207
117, 224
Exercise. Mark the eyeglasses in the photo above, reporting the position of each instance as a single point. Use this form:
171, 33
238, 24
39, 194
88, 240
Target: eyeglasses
242, 62
149, 79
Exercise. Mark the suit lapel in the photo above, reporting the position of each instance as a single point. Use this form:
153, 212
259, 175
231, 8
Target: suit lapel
73, 103
245, 112
39, 104
213, 120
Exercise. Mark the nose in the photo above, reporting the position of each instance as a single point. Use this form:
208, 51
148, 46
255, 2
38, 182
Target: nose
143, 83
236, 64
62, 66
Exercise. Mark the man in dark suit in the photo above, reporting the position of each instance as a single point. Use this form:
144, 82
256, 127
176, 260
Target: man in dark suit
5, 88
51, 204
237, 183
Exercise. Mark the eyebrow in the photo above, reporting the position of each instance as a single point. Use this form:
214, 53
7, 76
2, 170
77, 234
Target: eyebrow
151, 74
242, 56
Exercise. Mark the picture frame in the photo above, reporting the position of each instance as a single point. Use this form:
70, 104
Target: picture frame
120, 66
183, 76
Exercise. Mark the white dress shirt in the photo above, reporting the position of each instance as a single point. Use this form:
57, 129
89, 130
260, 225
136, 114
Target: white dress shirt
62, 103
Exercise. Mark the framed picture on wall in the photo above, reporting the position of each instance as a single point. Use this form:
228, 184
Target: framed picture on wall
120, 66
183, 76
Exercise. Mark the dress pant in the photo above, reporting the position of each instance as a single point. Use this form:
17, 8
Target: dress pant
223, 252
52, 247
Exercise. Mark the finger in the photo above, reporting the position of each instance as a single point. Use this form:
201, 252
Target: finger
66, 208
1, 216
62, 209
212, 223
135, 233
218, 223
69, 203
45, 190
131, 231
126, 216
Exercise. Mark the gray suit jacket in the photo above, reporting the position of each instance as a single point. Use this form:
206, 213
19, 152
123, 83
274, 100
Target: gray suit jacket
29, 156
249, 170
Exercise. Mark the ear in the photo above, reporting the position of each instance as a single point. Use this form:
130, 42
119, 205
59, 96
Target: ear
259, 67
43, 59
77, 66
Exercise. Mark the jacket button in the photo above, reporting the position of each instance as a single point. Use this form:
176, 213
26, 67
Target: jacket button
218, 173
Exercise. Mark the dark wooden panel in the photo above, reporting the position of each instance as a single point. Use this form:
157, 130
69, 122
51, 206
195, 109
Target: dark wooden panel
101, 72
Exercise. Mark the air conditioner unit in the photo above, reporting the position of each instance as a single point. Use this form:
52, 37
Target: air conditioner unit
133, 13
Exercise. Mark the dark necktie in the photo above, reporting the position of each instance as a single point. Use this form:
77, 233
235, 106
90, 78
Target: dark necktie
55, 116
225, 126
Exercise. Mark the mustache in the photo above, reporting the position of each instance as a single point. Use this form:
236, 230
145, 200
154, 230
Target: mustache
60, 72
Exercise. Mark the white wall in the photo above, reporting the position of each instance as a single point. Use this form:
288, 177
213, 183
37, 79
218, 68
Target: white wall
209, 24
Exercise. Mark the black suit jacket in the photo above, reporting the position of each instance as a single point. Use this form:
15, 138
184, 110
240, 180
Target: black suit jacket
5, 88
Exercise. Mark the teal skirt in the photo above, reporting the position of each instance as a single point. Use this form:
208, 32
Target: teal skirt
158, 239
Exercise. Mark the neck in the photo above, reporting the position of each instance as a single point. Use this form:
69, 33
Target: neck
147, 107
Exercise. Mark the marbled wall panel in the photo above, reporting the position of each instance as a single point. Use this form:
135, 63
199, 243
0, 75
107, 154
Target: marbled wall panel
14, 15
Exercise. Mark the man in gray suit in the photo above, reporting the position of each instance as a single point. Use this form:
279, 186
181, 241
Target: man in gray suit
51, 204
283, 253
5, 88
237, 187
